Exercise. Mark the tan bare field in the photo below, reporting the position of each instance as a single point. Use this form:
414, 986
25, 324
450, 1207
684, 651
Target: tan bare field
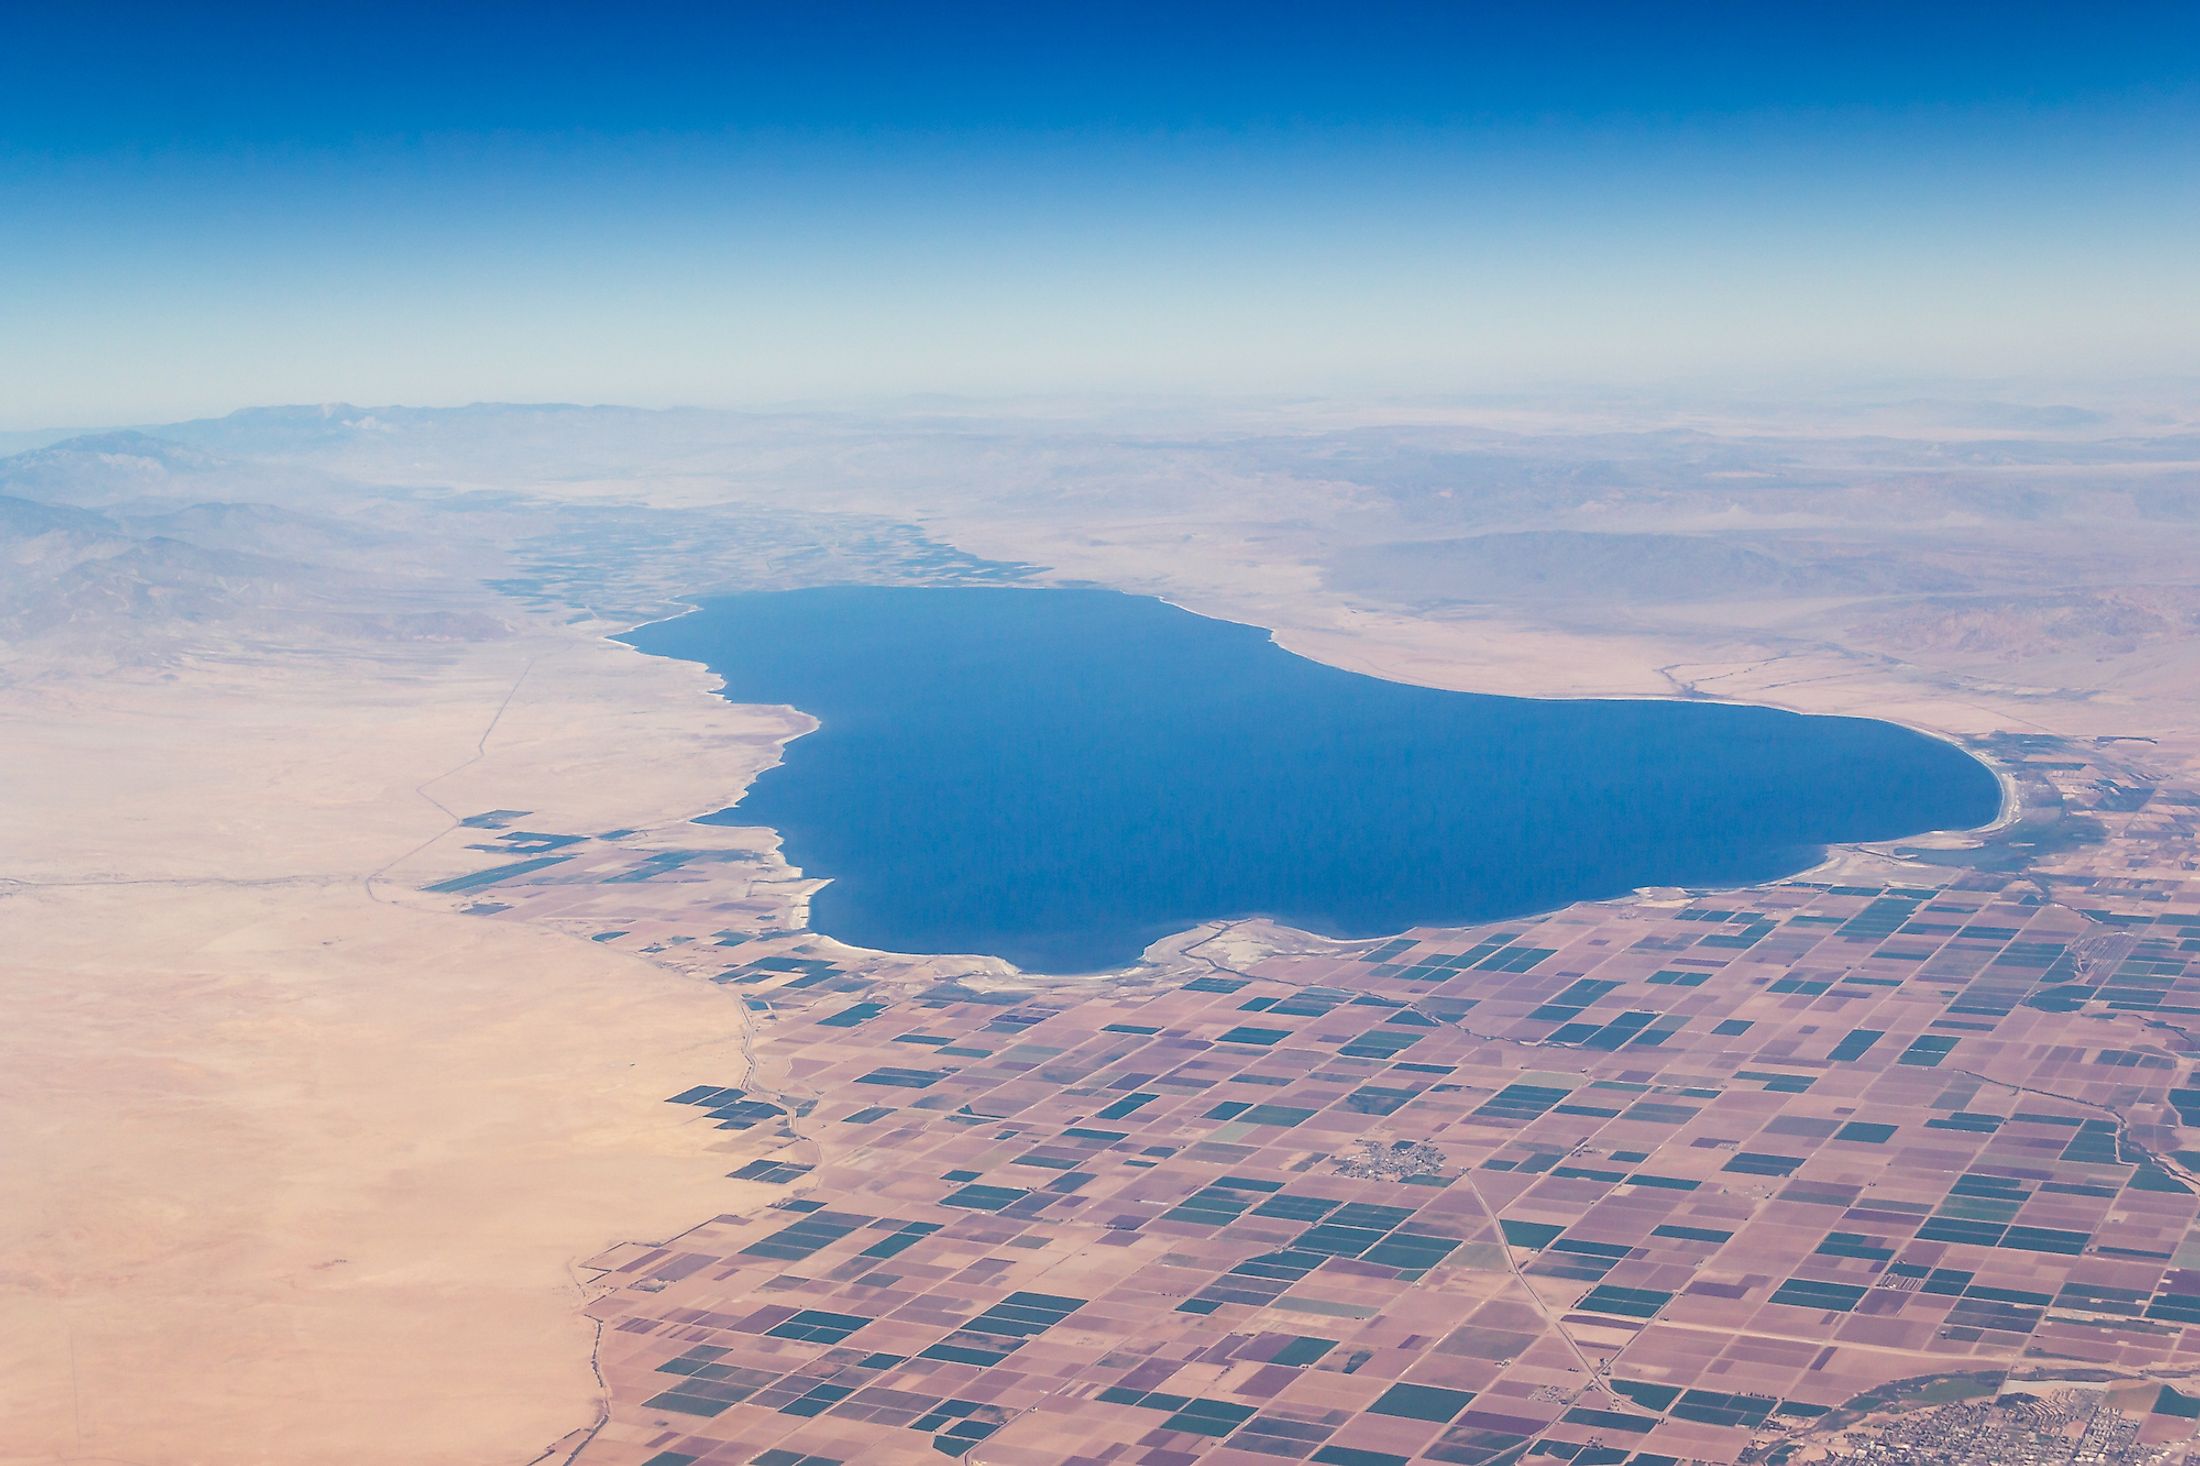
297, 1171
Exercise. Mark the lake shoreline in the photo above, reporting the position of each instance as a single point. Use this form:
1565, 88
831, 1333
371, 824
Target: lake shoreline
1828, 852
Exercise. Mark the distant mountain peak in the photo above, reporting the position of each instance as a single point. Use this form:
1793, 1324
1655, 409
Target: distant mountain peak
118, 443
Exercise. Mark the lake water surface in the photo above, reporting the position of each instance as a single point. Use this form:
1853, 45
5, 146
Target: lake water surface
1060, 777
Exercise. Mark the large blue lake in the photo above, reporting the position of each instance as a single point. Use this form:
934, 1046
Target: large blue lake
1059, 777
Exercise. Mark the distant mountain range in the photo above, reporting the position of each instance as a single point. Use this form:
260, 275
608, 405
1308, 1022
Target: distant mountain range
127, 540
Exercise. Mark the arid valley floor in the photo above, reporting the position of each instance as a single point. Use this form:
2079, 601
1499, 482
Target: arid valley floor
395, 1072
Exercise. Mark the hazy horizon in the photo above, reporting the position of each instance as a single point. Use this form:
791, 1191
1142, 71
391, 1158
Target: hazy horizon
2112, 399
737, 207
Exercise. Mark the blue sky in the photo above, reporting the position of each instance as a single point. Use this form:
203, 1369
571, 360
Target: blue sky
750, 203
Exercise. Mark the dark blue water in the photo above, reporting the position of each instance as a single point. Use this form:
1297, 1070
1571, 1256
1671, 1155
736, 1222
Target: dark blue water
1059, 777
